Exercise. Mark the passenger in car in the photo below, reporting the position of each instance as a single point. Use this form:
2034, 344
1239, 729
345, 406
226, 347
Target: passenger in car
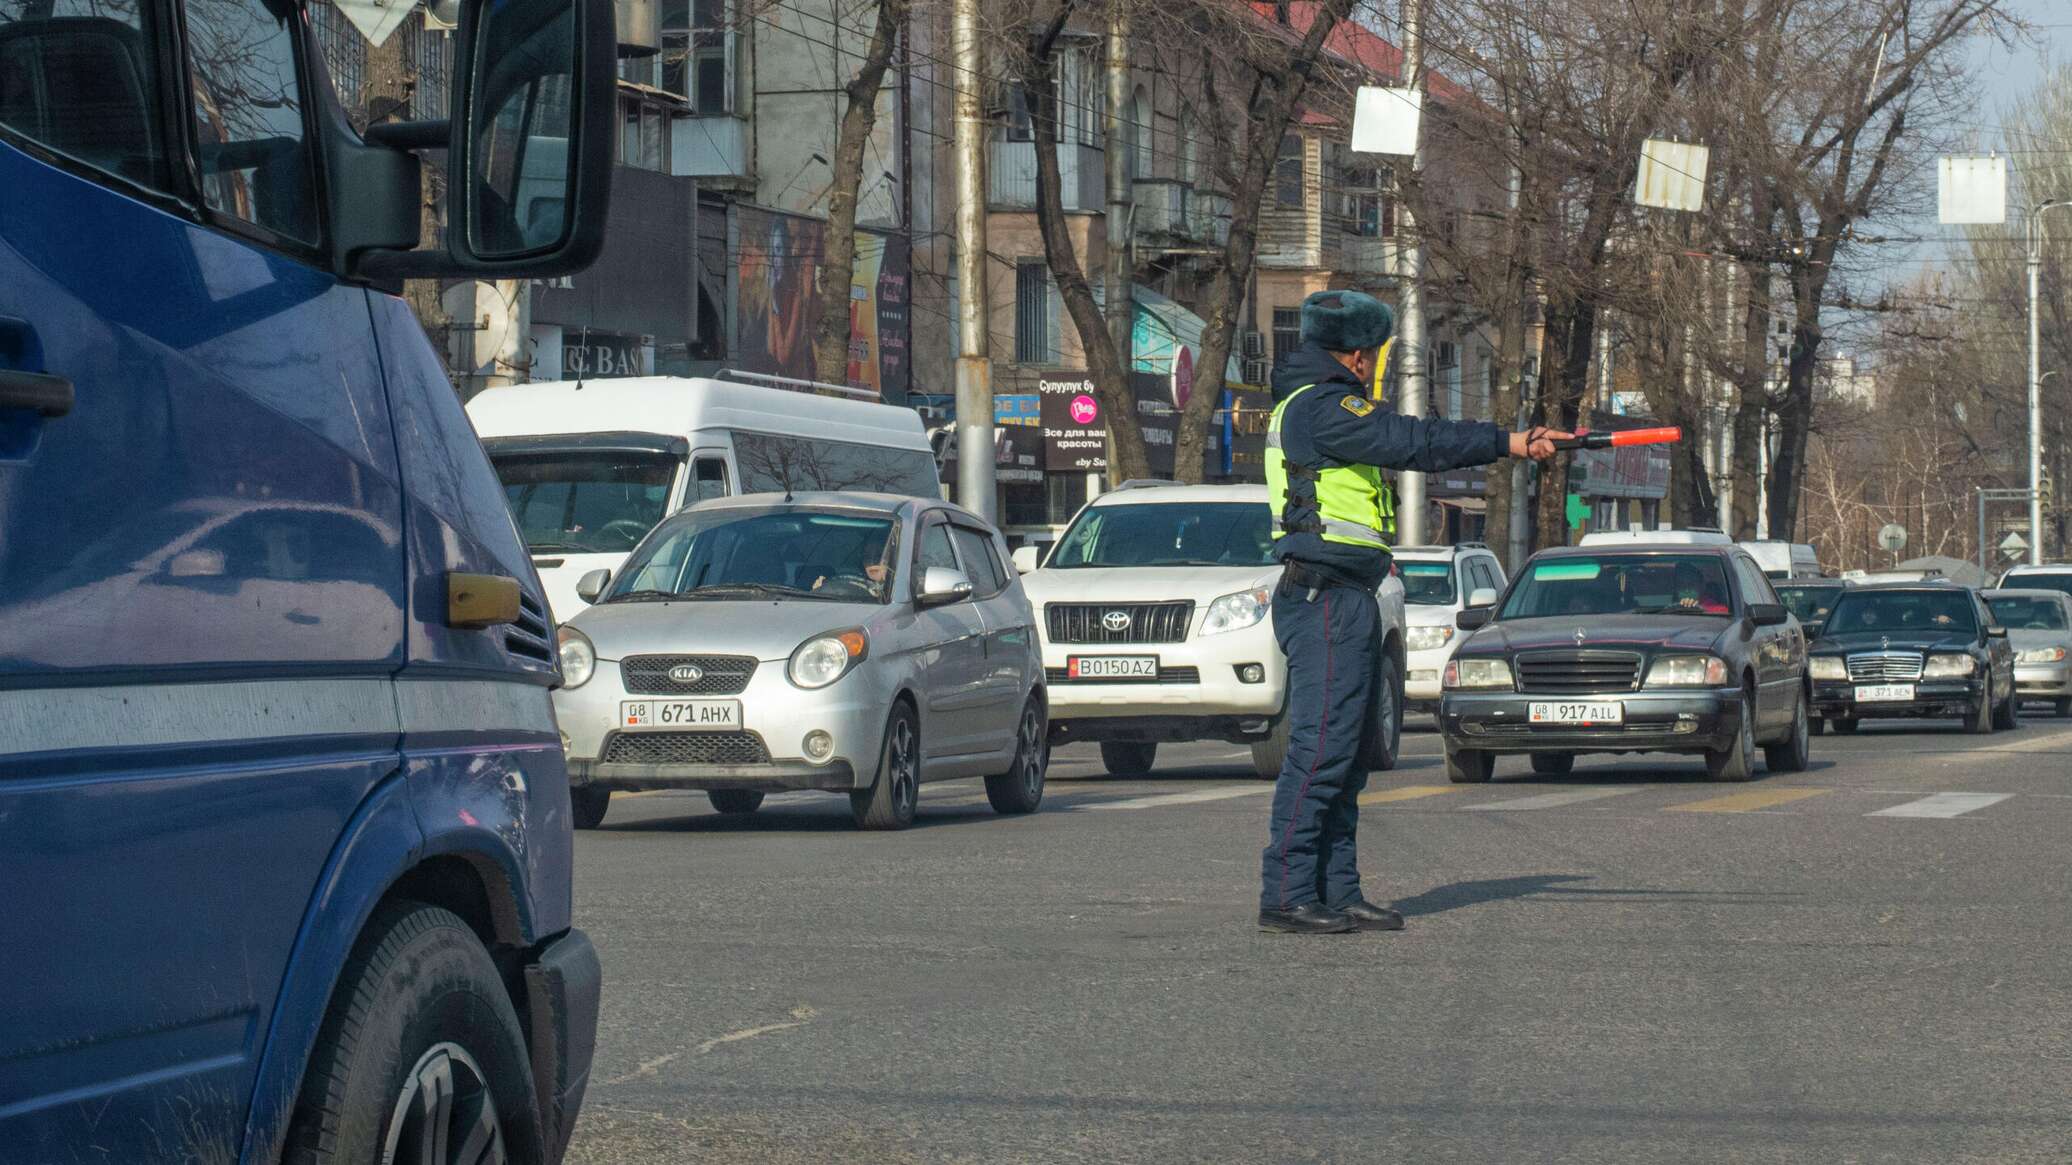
1694, 589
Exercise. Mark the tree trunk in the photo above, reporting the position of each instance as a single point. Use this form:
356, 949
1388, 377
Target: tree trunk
1795, 417
1269, 110
838, 260
1127, 458
1571, 335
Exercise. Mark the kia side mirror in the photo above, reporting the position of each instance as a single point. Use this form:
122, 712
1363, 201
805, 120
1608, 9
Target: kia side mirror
1471, 618
1482, 597
529, 144
592, 584
1768, 614
1026, 559
940, 585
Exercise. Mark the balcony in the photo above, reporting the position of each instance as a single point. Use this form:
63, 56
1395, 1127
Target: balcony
1011, 176
709, 147
1162, 209
1208, 218
1366, 255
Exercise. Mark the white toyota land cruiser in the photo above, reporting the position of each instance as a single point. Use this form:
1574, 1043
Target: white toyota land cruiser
1155, 611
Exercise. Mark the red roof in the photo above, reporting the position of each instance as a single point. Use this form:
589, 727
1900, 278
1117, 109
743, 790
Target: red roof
1357, 45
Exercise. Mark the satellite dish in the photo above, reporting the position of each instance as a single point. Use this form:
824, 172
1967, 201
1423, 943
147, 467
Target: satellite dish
1892, 536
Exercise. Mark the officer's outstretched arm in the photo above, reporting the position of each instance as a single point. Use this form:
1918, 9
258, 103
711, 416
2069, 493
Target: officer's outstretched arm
1351, 428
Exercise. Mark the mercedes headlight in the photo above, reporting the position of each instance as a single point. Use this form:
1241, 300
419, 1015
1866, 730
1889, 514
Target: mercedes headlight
1949, 666
2041, 655
1237, 612
1426, 638
1473, 674
1688, 671
578, 656
824, 659
1827, 667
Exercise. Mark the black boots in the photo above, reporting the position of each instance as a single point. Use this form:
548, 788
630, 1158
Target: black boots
1308, 918
1368, 916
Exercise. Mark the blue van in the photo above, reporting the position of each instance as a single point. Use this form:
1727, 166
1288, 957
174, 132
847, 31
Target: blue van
284, 819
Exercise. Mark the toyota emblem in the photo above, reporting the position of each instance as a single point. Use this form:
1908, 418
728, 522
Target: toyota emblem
1117, 621
686, 673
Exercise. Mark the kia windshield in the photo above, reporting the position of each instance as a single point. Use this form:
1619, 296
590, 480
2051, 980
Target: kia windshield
1621, 584
1903, 612
782, 552
586, 501
1427, 584
1168, 534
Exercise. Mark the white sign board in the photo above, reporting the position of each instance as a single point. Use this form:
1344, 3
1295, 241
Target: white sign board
2013, 545
1892, 536
1385, 121
376, 19
1672, 175
1971, 191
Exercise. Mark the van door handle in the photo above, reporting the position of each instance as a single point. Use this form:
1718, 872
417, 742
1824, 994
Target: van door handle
49, 395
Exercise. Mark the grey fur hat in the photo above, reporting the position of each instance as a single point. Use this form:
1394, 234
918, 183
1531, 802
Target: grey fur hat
1346, 321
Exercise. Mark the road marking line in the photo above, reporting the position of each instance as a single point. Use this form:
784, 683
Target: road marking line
1749, 801
800, 1016
1943, 805
1180, 798
1406, 793
1557, 800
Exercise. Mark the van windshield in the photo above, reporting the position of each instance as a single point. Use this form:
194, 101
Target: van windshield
586, 502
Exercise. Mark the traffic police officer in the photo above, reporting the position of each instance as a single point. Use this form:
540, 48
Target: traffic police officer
1334, 517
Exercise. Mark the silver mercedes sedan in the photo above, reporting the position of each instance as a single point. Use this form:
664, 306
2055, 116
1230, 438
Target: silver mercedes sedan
847, 642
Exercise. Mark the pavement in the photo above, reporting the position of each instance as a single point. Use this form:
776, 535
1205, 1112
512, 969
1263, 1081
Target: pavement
1863, 962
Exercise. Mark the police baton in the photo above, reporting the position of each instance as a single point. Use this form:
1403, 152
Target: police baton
1620, 438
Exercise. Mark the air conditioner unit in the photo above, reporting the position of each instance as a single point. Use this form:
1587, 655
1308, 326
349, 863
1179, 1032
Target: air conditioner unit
1255, 371
1251, 345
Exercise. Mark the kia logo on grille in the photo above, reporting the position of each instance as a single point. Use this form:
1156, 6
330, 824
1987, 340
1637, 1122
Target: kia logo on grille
686, 673
1116, 620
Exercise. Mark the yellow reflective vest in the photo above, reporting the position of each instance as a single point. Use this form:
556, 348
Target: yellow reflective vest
1352, 504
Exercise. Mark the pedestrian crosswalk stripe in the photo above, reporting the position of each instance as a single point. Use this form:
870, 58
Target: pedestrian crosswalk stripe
1943, 805
1558, 800
1154, 802
1406, 793
1749, 800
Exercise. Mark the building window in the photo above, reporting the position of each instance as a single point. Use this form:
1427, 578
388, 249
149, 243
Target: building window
1140, 133
1287, 333
1287, 173
1366, 208
1190, 153
697, 59
644, 129
1035, 339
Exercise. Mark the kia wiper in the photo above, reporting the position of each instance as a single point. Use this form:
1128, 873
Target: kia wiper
722, 590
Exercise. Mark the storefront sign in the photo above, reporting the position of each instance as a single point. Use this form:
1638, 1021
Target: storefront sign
600, 354
1018, 409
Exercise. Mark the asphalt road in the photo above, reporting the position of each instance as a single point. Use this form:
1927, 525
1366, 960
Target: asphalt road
1864, 962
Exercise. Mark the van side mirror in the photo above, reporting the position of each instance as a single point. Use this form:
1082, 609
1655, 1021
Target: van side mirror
1026, 558
1482, 597
528, 144
941, 585
1472, 618
592, 584
1768, 614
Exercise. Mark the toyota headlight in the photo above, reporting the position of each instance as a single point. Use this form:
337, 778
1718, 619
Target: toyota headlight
1473, 674
824, 659
1827, 667
578, 656
1688, 671
1949, 666
1237, 612
1426, 638
2041, 655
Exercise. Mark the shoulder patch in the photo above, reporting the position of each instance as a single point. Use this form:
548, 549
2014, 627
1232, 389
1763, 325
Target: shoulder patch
1358, 406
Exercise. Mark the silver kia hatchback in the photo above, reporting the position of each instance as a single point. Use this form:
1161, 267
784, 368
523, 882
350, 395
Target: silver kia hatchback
847, 642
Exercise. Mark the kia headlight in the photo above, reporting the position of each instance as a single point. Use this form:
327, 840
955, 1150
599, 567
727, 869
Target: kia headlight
1827, 667
2041, 655
1426, 638
1688, 671
824, 659
1237, 612
1949, 666
1478, 674
578, 656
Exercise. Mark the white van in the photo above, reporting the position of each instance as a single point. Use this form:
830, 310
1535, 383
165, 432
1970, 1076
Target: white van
589, 467
1781, 560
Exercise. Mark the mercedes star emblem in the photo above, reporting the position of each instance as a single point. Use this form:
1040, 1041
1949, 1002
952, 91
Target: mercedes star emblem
686, 673
1117, 621
1579, 635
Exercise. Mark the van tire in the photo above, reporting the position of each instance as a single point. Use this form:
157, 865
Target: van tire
588, 804
418, 1004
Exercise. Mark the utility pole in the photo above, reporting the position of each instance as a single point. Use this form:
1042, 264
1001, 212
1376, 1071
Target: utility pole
975, 470
1410, 484
2036, 384
1119, 297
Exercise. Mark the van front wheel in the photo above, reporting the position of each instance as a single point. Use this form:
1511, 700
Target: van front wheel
420, 1049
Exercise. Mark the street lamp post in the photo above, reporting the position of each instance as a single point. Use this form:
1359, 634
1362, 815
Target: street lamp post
2036, 381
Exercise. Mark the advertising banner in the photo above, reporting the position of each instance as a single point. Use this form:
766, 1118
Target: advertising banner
777, 300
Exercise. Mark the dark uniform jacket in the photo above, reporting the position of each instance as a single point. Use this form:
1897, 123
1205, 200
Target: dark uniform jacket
1319, 431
